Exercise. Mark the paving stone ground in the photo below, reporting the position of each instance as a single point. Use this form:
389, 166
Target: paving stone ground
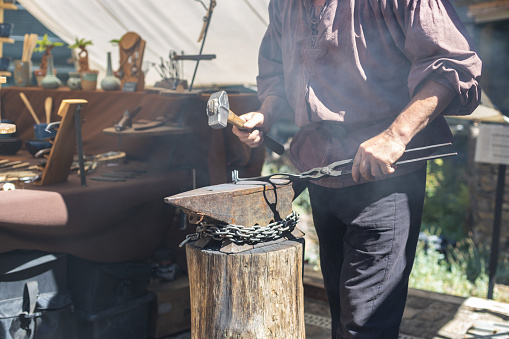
428, 315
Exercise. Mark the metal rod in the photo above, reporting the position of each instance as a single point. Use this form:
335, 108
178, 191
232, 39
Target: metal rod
428, 147
211, 9
349, 161
79, 144
495, 238
430, 157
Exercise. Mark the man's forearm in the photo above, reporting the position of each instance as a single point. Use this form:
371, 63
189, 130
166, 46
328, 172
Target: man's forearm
426, 105
376, 156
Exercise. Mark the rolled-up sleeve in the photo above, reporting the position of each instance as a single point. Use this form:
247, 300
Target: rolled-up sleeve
440, 49
270, 79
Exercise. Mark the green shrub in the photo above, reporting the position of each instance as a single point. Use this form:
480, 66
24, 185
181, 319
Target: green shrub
463, 271
447, 199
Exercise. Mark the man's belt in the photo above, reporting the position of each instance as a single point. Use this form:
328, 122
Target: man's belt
340, 129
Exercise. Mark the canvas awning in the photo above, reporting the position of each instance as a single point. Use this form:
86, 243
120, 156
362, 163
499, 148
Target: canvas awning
236, 30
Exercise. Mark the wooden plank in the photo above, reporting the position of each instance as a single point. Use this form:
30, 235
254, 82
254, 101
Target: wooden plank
60, 158
489, 11
7, 40
11, 7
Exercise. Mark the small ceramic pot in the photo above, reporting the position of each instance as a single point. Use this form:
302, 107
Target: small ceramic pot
89, 80
6, 29
22, 73
74, 81
7, 123
9, 143
41, 133
4, 63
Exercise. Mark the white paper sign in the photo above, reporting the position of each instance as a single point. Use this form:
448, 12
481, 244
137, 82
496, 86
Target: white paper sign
492, 144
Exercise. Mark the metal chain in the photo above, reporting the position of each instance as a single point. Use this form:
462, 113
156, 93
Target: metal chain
243, 235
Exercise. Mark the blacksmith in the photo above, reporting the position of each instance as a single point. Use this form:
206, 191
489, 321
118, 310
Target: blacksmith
365, 79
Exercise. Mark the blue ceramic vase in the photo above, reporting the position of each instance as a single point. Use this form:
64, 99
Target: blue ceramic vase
50, 80
110, 82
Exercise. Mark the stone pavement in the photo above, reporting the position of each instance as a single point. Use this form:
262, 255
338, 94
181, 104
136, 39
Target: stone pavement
428, 315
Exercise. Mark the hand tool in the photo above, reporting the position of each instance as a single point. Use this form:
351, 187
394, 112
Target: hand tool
219, 113
17, 167
194, 57
10, 163
127, 119
48, 103
29, 43
52, 125
159, 121
29, 107
25, 48
107, 179
343, 167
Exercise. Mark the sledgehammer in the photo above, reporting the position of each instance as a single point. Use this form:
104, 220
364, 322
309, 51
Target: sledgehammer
219, 113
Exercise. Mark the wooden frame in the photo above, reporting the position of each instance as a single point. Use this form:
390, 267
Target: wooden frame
62, 152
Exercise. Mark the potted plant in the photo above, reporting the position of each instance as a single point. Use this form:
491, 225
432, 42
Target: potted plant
44, 45
82, 44
88, 76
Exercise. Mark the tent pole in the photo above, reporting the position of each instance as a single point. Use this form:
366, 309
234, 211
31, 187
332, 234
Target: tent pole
208, 17
495, 241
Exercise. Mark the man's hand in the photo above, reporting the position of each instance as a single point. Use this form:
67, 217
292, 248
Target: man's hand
251, 135
376, 156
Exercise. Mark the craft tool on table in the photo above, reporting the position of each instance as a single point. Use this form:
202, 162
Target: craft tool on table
28, 46
29, 107
48, 104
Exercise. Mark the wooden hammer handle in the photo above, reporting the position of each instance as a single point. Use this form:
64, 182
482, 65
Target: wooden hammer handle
235, 120
267, 141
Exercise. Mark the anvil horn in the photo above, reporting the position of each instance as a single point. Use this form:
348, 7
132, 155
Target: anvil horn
246, 203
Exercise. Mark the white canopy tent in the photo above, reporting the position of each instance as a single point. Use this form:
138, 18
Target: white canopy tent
235, 32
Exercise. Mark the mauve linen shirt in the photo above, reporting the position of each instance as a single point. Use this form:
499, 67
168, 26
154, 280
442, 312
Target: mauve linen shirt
362, 67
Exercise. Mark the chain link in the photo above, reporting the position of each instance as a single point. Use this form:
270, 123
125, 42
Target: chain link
243, 235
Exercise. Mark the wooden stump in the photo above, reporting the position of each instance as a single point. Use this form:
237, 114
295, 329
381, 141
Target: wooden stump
255, 294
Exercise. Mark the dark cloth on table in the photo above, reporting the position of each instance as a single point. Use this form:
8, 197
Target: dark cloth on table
366, 61
119, 221
104, 221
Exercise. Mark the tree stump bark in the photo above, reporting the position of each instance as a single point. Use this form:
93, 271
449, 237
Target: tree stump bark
255, 294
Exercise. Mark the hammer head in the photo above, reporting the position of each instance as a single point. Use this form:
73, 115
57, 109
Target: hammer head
218, 109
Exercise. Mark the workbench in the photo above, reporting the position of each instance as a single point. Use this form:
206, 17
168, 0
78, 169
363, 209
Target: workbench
119, 221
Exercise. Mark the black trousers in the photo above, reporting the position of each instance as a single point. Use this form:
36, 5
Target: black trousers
368, 236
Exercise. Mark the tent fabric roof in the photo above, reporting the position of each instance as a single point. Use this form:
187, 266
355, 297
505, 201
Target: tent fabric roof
235, 32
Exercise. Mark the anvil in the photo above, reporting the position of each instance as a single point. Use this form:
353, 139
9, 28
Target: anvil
247, 203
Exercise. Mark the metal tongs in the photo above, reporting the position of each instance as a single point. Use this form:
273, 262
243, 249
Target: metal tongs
333, 170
